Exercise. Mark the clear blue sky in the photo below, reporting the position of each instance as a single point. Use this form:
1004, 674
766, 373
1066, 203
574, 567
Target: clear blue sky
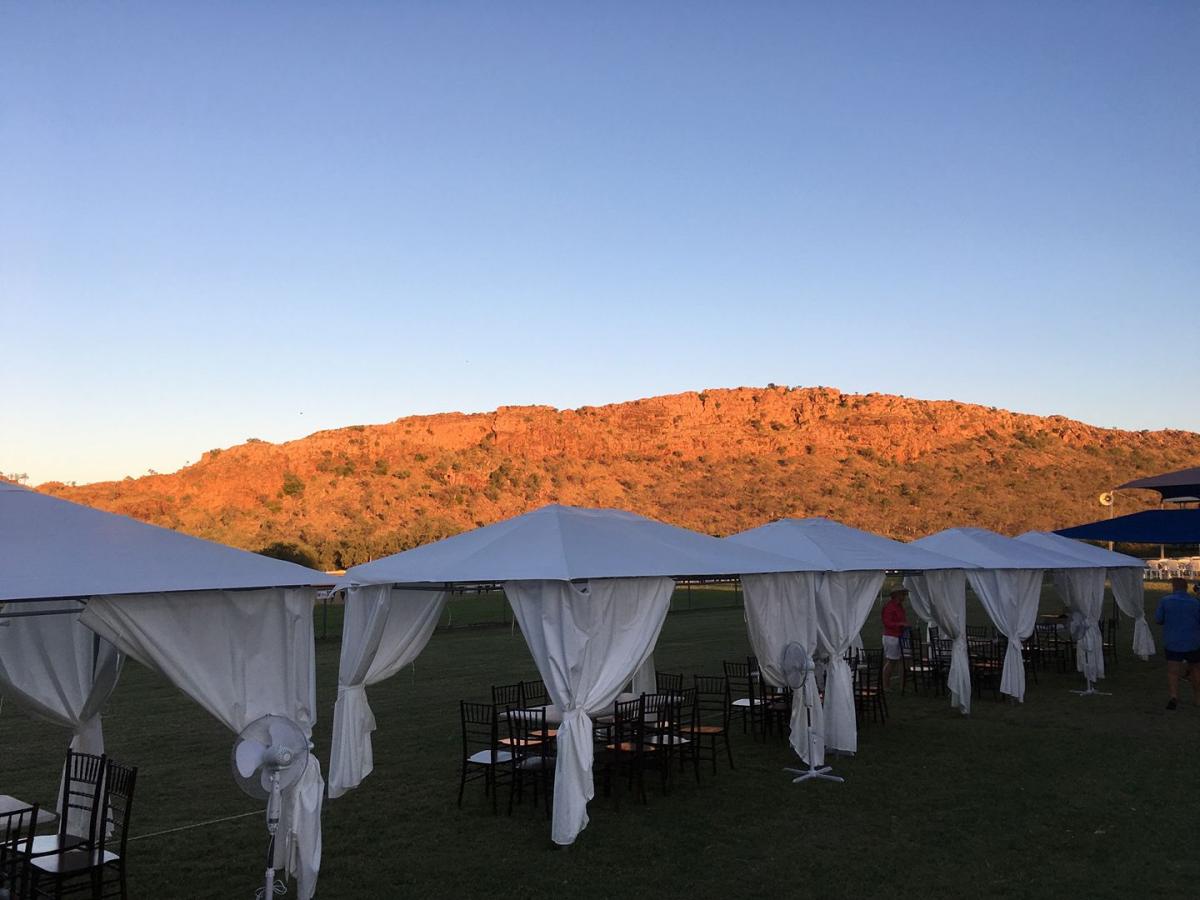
259, 220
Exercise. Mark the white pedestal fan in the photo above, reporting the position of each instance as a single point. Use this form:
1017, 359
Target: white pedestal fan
797, 666
1083, 637
270, 756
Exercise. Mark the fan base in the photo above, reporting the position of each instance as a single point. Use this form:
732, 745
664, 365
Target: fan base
272, 887
818, 772
1092, 692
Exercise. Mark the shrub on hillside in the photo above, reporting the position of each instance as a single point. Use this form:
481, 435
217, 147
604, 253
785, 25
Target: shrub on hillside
288, 552
293, 486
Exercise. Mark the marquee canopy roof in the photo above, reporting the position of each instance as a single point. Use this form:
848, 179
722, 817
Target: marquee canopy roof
823, 545
1180, 486
568, 543
51, 548
1097, 556
1151, 526
989, 550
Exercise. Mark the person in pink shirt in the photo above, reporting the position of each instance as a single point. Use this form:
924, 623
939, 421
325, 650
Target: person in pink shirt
895, 621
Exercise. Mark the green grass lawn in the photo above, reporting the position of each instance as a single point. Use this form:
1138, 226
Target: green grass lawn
491, 608
1060, 796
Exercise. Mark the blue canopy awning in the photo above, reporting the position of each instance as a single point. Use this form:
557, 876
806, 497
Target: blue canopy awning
1183, 485
1152, 526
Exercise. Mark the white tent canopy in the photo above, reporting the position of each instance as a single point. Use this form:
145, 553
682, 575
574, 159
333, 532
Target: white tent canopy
1085, 553
231, 629
851, 563
52, 548
1124, 575
1008, 581
565, 543
823, 545
989, 550
590, 589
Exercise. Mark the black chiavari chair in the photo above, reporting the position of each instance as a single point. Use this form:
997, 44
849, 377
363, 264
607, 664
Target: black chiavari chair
16, 847
531, 744
483, 757
626, 751
710, 725
745, 699
869, 695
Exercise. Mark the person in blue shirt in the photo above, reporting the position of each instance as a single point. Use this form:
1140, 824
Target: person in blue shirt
1179, 615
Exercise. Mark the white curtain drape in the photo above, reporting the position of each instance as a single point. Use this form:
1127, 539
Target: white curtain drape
920, 600
645, 679
383, 630
241, 655
1083, 590
1011, 598
943, 592
781, 609
587, 641
61, 672
1129, 591
844, 600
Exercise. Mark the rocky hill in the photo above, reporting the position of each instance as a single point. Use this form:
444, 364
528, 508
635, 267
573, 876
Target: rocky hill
718, 461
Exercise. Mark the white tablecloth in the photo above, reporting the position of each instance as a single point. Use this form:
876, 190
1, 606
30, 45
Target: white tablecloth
12, 804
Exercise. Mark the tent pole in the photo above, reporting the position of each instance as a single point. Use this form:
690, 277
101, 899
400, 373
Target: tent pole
1112, 506
41, 612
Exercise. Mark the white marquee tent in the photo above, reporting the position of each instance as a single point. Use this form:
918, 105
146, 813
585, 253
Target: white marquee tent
1008, 581
826, 604
590, 589
232, 629
1124, 575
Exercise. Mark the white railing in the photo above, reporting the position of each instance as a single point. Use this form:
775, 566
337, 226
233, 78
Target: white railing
1166, 569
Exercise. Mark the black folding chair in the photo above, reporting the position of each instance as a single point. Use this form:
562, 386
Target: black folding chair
16, 847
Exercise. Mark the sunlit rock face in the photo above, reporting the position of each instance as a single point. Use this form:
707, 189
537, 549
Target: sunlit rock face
718, 461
